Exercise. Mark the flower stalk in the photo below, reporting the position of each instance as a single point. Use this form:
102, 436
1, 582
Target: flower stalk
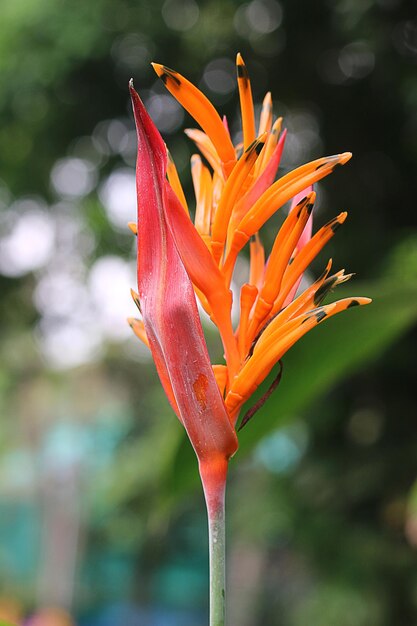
214, 487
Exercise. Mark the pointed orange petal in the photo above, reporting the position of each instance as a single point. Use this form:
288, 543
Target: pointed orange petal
138, 328
246, 102
267, 352
248, 294
276, 196
265, 120
281, 252
133, 227
201, 109
230, 192
221, 375
303, 259
270, 146
175, 182
257, 261
205, 145
203, 193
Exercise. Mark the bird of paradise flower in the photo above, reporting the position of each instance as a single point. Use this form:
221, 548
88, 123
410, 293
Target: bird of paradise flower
178, 259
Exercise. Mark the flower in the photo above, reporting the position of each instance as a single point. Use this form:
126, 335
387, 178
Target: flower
170, 322
177, 258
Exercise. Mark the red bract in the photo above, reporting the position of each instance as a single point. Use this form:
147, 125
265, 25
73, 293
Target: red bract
169, 310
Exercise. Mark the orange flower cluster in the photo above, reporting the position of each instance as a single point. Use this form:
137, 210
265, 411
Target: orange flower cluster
236, 194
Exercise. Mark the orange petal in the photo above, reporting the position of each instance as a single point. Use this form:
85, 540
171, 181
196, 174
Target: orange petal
246, 102
221, 375
276, 196
201, 109
268, 352
230, 192
175, 182
257, 261
281, 252
203, 193
205, 145
138, 328
303, 259
265, 120
248, 295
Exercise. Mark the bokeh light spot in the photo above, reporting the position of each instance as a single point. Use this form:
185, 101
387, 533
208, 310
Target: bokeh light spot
220, 76
29, 241
259, 16
111, 273
167, 114
118, 195
180, 15
73, 178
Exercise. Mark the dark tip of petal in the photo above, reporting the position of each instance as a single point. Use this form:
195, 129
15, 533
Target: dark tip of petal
337, 159
133, 227
324, 289
251, 146
320, 315
169, 74
135, 297
353, 303
335, 225
242, 72
259, 146
302, 201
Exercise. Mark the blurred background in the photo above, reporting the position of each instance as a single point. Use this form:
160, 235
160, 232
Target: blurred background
101, 514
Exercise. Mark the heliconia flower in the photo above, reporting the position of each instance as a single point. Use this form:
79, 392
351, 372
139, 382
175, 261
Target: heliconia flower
178, 258
236, 192
233, 201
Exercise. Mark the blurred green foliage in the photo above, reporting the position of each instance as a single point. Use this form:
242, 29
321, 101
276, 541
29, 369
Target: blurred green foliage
322, 530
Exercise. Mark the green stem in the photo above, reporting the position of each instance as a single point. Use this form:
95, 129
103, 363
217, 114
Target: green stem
213, 477
217, 549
